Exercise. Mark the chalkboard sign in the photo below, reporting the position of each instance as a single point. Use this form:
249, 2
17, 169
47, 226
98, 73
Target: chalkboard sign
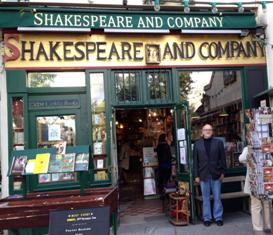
80, 222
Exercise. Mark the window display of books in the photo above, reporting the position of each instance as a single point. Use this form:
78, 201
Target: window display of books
260, 159
45, 163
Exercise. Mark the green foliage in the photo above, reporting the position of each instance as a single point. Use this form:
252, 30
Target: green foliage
41, 79
185, 82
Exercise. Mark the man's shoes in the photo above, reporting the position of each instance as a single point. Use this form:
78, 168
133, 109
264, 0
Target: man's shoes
219, 222
207, 223
267, 231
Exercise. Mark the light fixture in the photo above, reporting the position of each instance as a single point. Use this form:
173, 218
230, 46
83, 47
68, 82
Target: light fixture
195, 116
139, 120
241, 9
186, 6
157, 5
214, 9
53, 29
242, 33
223, 113
263, 3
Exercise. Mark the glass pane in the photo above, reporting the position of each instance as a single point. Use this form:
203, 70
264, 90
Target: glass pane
99, 125
18, 141
126, 86
215, 97
56, 79
18, 123
51, 130
157, 85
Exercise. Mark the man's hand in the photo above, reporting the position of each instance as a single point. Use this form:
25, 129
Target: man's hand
197, 180
221, 177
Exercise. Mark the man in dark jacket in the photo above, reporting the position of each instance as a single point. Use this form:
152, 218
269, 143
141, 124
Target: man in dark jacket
209, 164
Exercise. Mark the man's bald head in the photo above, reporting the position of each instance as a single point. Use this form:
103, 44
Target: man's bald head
207, 131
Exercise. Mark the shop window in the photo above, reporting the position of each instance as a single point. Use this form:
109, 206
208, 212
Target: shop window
18, 123
55, 79
126, 84
98, 127
229, 77
215, 97
157, 85
18, 140
52, 130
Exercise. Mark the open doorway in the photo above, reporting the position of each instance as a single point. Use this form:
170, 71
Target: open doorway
138, 131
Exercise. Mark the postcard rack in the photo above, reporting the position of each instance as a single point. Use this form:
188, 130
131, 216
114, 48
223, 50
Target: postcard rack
24, 156
260, 160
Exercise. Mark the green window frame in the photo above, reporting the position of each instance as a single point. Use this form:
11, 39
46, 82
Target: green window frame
127, 85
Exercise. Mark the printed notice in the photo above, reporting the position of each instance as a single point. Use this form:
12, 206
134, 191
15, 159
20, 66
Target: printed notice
183, 158
80, 222
54, 132
181, 134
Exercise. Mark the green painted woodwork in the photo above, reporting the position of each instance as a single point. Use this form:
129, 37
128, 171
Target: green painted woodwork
16, 81
17, 88
13, 17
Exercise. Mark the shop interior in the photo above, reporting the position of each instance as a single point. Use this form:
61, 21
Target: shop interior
215, 97
137, 136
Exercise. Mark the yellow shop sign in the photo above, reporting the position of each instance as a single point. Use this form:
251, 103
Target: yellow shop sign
29, 50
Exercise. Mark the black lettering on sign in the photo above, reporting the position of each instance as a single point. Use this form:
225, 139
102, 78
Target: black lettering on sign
67, 51
101, 50
29, 50
113, 51
53, 46
41, 52
79, 50
137, 46
167, 51
126, 50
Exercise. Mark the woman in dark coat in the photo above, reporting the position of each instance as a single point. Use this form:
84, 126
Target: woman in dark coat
165, 161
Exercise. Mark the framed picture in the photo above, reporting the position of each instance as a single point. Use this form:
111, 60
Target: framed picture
152, 53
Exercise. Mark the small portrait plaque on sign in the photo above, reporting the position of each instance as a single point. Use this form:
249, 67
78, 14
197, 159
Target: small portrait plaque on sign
152, 52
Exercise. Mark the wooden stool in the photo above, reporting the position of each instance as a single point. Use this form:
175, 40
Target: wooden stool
179, 213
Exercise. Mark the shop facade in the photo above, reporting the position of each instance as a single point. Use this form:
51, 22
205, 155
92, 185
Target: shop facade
76, 75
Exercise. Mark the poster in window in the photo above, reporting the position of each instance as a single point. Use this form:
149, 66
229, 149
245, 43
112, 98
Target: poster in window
183, 156
82, 162
18, 165
54, 132
149, 157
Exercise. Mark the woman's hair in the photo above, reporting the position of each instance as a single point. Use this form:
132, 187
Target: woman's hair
162, 138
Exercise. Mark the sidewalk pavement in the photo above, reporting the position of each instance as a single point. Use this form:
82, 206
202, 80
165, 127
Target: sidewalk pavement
236, 223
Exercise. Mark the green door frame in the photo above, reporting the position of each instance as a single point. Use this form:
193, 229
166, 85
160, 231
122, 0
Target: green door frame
186, 176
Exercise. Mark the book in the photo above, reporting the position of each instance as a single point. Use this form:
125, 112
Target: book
101, 175
41, 163
82, 162
60, 147
98, 148
55, 163
68, 162
30, 166
18, 165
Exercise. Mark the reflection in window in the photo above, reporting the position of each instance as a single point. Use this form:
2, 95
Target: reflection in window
18, 123
126, 86
98, 126
215, 97
51, 130
158, 85
56, 79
